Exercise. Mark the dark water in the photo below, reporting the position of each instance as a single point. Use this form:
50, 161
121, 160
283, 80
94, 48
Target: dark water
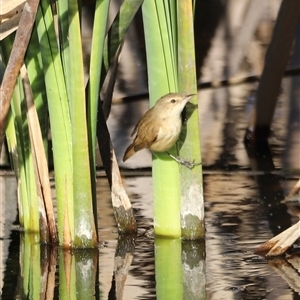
239, 217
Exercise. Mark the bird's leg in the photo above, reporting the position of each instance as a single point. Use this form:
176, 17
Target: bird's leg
189, 164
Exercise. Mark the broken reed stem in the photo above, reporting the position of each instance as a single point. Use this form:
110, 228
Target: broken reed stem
295, 190
279, 244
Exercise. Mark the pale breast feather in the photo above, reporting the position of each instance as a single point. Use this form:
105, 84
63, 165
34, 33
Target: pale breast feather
166, 138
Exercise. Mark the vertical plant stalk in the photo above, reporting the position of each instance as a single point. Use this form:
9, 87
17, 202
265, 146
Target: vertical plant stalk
275, 63
34, 66
18, 138
15, 61
60, 122
93, 87
111, 51
192, 202
85, 234
37, 207
14, 140
162, 74
123, 211
40, 161
11, 139
118, 29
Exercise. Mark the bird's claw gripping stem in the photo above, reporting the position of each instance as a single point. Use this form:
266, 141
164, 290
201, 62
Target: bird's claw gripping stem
189, 164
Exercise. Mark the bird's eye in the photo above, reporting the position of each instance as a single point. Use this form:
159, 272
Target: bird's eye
173, 101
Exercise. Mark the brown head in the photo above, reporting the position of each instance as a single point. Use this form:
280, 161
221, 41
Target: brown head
172, 104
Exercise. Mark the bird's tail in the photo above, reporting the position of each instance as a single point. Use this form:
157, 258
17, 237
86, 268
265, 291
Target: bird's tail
129, 152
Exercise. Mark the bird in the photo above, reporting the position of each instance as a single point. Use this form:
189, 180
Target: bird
159, 128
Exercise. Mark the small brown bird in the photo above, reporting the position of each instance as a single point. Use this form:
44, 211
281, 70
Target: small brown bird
160, 127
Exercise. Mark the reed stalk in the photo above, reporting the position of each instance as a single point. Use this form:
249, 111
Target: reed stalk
85, 232
60, 122
162, 74
192, 202
171, 68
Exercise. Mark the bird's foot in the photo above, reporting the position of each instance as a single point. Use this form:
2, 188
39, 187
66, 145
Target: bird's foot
189, 164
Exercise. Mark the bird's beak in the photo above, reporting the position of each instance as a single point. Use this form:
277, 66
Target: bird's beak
188, 97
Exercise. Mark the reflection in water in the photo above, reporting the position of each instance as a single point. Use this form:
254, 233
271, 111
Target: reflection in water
237, 220
288, 269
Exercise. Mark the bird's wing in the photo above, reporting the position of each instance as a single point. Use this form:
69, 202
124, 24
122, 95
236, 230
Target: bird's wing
146, 135
143, 122
142, 144
135, 128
